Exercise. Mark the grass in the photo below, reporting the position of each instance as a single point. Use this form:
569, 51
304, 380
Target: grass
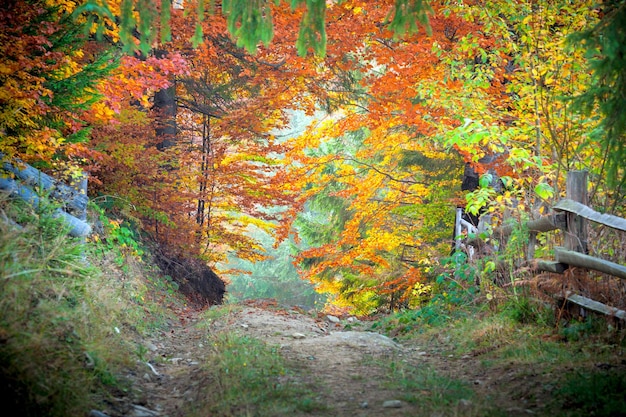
519, 345
45, 339
246, 377
425, 385
593, 393
215, 313
68, 315
433, 392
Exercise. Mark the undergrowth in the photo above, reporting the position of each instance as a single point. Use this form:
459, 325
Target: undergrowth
599, 392
70, 313
245, 376
436, 393
513, 335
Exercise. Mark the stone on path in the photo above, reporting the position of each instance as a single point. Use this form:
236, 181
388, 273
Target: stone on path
393, 404
139, 411
333, 319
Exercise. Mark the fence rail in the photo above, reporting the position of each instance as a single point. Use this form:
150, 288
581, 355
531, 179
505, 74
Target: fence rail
571, 215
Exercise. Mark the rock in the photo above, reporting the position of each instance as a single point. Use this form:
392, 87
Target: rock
152, 347
89, 362
332, 319
364, 404
139, 411
393, 404
364, 339
298, 336
464, 402
96, 413
154, 371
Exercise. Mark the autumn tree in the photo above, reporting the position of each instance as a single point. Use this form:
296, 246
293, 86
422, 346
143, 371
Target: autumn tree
222, 168
48, 82
400, 108
373, 159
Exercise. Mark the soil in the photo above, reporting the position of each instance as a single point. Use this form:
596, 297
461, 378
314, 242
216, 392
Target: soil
340, 358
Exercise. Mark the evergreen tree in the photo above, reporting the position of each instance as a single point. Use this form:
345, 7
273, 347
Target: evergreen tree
606, 51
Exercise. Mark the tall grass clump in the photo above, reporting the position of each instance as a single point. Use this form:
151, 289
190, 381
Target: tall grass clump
49, 362
246, 376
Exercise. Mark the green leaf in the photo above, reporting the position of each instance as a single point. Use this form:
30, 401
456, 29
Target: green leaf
544, 190
485, 180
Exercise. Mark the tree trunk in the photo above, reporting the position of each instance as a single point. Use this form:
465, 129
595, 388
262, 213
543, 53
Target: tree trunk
165, 109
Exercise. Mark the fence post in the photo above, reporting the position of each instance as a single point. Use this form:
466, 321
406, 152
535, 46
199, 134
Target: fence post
576, 233
457, 228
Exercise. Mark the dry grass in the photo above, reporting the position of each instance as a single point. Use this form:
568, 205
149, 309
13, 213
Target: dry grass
69, 315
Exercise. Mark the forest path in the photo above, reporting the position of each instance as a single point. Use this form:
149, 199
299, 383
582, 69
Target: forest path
348, 366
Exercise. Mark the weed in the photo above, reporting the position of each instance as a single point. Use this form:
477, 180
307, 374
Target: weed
450, 292
522, 309
598, 393
580, 329
436, 394
61, 347
44, 325
214, 313
141, 352
249, 377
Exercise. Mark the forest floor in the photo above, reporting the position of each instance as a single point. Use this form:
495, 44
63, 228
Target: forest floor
347, 366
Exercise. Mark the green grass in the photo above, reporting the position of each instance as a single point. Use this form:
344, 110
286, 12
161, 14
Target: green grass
513, 341
435, 393
44, 337
69, 315
423, 384
215, 313
246, 377
596, 392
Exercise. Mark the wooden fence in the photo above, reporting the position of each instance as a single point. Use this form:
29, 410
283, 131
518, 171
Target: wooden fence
571, 215
23, 181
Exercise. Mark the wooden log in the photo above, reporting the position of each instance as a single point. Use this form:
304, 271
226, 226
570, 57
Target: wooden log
471, 229
585, 261
70, 197
77, 227
581, 210
592, 305
543, 224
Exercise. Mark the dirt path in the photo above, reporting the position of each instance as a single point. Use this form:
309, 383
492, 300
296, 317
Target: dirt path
337, 360
344, 363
